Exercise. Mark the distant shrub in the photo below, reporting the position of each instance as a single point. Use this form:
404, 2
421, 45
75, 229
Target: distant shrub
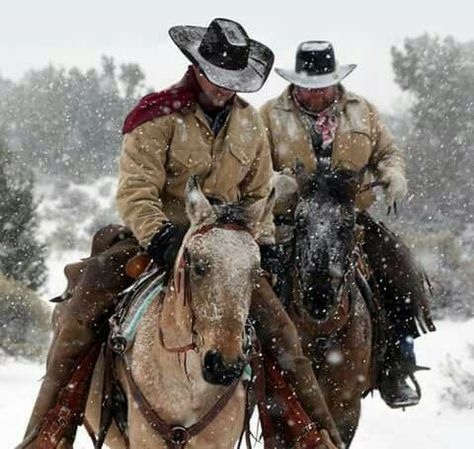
460, 391
74, 212
446, 259
24, 321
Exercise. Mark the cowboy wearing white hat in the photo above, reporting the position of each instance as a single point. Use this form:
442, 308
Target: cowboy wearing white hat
316, 121
316, 66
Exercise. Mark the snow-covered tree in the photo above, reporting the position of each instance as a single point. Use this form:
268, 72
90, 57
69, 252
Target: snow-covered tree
68, 122
439, 75
21, 255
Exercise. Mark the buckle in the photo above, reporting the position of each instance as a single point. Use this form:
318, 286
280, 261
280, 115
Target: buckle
118, 343
180, 436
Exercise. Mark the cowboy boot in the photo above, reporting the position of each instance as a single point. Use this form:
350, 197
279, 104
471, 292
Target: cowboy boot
278, 335
401, 365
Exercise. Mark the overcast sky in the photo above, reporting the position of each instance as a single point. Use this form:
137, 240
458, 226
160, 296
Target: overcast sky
34, 33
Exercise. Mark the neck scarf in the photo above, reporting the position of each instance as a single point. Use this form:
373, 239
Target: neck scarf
324, 123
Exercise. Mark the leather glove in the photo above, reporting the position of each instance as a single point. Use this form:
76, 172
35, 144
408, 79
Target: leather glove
271, 259
396, 186
165, 244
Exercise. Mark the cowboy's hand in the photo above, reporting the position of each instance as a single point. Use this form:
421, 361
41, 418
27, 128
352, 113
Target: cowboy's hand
396, 186
165, 244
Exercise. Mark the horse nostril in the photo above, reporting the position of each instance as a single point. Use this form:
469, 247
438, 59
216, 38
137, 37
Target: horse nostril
212, 360
217, 371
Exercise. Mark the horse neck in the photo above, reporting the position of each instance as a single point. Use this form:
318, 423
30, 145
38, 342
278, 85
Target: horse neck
164, 335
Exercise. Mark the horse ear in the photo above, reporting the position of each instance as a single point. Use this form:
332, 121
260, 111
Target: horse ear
198, 207
259, 209
302, 177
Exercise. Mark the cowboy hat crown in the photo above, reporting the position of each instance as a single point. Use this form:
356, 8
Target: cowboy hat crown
225, 54
316, 66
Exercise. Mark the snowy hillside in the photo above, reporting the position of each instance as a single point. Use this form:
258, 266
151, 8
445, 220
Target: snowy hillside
69, 215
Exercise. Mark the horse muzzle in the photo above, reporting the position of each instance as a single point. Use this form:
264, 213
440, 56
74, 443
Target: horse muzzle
320, 302
218, 371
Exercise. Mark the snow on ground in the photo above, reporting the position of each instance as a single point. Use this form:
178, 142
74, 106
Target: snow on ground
433, 424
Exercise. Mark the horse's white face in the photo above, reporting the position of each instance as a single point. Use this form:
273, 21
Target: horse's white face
223, 267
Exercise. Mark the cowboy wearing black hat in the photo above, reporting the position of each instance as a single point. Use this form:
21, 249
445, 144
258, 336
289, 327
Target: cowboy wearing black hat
316, 121
198, 126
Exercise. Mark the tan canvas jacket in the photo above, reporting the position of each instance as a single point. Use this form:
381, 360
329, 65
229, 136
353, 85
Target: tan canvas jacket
362, 140
159, 156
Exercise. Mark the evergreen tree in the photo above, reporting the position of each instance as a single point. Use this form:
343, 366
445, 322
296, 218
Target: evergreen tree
68, 122
439, 75
22, 257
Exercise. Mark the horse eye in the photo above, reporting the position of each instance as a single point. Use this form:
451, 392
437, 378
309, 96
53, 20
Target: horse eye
200, 267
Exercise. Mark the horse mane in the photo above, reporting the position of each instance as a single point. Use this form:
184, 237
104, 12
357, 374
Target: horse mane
341, 185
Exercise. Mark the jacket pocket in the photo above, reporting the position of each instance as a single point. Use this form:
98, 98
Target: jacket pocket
353, 150
243, 155
234, 166
189, 159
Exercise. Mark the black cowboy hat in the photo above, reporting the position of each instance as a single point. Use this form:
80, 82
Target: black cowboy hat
225, 54
316, 66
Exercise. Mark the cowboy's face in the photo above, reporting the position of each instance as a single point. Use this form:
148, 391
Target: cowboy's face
214, 95
316, 99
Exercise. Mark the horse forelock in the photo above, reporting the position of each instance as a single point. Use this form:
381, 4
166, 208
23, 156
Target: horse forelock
341, 185
231, 213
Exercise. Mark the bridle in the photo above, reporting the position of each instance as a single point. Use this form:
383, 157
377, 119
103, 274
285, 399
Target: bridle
182, 284
341, 312
177, 436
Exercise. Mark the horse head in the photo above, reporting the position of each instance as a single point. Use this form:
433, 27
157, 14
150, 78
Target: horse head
222, 264
324, 236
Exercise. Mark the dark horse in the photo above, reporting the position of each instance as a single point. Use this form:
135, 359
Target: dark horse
327, 304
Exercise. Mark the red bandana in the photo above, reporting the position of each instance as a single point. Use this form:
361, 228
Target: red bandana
180, 96
324, 122
325, 125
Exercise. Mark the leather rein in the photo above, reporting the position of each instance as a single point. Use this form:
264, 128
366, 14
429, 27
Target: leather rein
177, 436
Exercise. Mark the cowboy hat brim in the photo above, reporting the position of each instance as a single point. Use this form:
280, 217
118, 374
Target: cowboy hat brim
250, 79
302, 79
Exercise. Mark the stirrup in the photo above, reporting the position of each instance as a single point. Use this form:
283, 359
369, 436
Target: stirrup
416, 384
421, 368
391, 399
